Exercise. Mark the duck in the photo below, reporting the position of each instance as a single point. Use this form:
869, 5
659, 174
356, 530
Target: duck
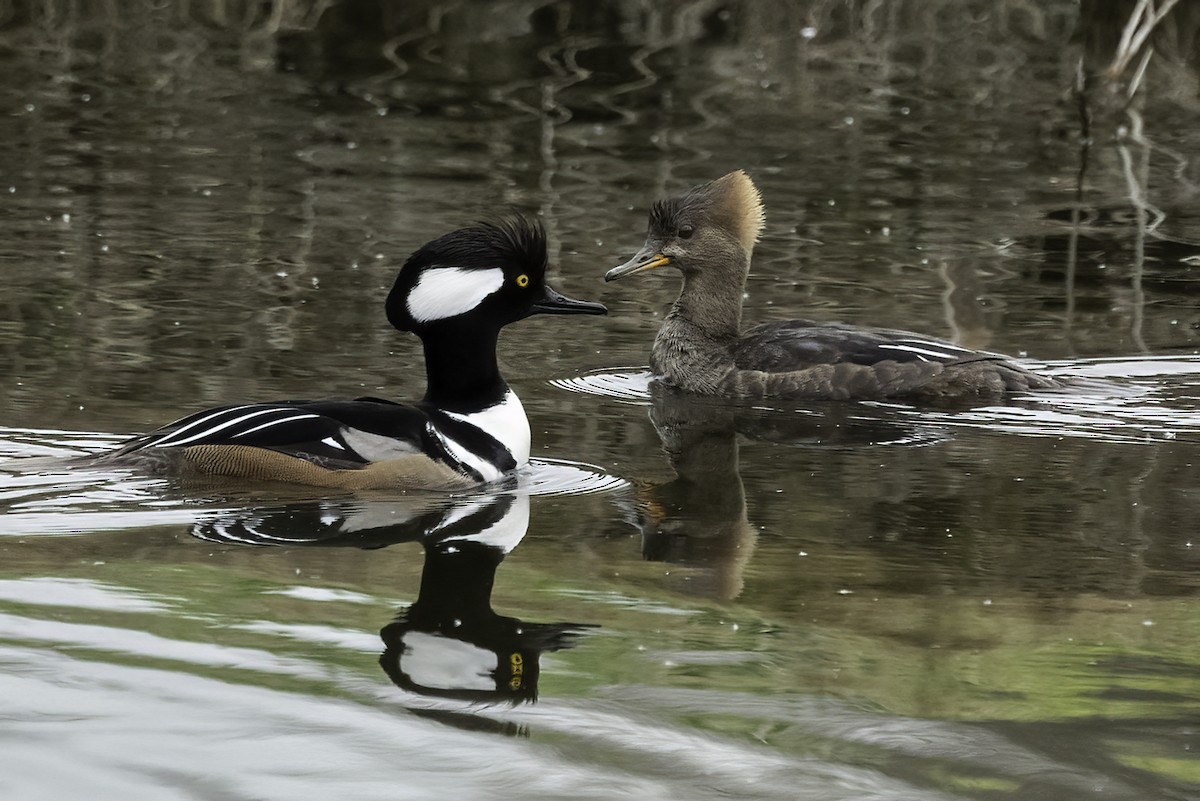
708, 234
455, 294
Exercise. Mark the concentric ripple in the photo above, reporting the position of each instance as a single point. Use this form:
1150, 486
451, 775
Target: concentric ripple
624, 384
561, 477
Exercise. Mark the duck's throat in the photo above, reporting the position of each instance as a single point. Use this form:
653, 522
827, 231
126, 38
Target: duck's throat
461, 371
688, 357
694, 347
710, 303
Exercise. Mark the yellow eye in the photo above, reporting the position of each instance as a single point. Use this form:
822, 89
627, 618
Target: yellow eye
522, 280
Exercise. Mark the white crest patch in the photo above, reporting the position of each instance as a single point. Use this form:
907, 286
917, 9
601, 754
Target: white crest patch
443, 292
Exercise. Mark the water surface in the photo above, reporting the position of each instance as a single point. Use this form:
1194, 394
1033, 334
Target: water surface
206, 204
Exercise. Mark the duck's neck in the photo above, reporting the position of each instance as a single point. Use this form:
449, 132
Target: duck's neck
693, 348
711, 299
461, 371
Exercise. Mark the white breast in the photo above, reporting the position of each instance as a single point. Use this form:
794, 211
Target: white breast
506, 421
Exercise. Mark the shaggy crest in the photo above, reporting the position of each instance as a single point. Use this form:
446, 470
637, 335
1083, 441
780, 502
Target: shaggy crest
731, 202
513, 242
483, 255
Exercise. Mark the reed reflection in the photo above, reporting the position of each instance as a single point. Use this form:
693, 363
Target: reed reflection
449, 642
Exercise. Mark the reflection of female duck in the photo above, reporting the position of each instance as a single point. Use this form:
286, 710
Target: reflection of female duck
699, 519
449, 642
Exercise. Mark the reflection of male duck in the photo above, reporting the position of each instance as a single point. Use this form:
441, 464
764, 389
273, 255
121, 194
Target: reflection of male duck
449, 642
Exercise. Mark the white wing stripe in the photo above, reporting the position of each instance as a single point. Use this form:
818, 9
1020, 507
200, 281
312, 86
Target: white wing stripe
174, 438
201, 421
920, 351
291, 416
943, 345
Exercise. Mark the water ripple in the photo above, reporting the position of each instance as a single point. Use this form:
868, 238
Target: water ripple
626, 384
46, 491
1118, 399
562, 477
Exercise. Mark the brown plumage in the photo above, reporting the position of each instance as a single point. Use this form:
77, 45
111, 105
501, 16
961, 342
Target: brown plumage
708, 234
260, 464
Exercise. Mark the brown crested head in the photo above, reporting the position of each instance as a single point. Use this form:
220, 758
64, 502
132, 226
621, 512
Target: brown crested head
731, 202
715, 223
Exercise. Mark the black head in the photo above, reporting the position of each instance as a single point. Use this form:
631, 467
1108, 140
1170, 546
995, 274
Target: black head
712, 226
485, 276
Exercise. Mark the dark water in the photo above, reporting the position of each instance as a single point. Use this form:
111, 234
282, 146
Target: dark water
204, 203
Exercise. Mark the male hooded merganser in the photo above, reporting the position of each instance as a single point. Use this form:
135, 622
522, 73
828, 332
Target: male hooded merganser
455, 293
708, 234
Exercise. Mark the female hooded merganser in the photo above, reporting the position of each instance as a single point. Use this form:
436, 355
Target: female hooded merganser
708, 234
455, 293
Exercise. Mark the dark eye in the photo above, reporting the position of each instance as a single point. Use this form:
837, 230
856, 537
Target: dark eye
686, 231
